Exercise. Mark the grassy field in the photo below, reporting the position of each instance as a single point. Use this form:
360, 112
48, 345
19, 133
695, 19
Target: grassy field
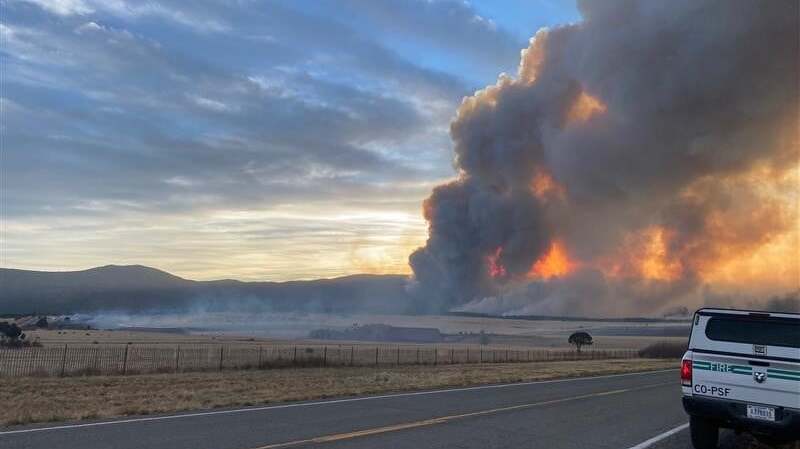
294, 327
31, 400
56, 337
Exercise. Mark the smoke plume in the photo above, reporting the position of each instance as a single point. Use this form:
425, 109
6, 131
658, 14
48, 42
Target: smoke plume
639, 157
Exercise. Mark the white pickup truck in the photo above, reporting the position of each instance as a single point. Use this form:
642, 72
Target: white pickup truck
742, 371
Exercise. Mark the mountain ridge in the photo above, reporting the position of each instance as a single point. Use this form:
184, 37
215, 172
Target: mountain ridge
140, 287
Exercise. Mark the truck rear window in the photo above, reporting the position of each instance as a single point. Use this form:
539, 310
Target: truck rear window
761, 331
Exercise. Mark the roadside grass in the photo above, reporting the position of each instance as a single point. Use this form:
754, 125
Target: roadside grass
50, 399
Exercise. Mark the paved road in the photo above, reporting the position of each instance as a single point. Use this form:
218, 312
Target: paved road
614, 412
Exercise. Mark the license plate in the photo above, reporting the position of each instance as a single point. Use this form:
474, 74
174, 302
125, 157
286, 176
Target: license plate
759, 412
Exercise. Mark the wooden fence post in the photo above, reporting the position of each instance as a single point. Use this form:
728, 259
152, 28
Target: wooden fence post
96, 359
417, 355
221, 353
376, 355
435, 355
324, 356
260, 350
125, 361
352, 349
294, 357
63, 360
398, 355
177, 357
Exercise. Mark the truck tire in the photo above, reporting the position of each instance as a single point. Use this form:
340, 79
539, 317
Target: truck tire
705, 433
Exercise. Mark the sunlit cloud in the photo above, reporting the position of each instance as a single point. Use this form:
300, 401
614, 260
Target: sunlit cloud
231, 139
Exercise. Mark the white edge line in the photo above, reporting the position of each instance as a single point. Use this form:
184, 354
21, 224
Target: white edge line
333, 401
657, 438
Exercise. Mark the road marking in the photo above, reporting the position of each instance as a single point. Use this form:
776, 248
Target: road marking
657, 438
333, 401
445, 419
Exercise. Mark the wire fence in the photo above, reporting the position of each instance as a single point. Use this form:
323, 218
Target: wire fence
123, 359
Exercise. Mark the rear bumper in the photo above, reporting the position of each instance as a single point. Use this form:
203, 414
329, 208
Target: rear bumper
733, 414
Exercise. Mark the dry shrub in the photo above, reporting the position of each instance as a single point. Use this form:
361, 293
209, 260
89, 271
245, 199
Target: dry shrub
663, 350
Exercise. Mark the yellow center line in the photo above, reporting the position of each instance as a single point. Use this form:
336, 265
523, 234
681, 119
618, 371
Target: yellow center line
445, 419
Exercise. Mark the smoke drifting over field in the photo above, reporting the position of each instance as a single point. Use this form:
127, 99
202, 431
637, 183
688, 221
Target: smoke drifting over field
638, 160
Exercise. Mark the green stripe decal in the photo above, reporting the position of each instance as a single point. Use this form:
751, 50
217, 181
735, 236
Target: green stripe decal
722, 367
783, 372
778, 376
745, 370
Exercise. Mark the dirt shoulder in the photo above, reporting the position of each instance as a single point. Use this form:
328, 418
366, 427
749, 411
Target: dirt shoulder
48, 399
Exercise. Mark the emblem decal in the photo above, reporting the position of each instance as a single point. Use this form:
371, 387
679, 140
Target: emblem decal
759, 377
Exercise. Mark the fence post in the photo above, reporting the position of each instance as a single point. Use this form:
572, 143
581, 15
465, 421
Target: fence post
376, 355
398, 356
294, 357
324, 356
352, 349
177, 357
63, 360
480, 360
467, 354
124, 361
260, 350
435, 355
221, 353
96, 359
417, 355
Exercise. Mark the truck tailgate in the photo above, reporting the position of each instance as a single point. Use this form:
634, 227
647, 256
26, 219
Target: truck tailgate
748, 380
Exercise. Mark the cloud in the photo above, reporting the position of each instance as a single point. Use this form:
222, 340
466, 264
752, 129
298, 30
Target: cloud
172, 127
452, 26
63, 7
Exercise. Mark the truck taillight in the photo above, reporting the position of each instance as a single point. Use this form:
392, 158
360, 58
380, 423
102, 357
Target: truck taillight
686, 373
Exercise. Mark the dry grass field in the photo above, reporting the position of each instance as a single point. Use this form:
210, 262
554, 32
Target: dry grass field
530, 340
224, 327
31, 399
71, 336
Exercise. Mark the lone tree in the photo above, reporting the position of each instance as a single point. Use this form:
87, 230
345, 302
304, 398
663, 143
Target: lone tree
580, 339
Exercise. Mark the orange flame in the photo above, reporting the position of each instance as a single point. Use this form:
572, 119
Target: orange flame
496, 269
554, 263
543, 185
656, 263
585, 107
644, 254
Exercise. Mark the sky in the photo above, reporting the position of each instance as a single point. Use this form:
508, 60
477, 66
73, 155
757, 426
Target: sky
253, 140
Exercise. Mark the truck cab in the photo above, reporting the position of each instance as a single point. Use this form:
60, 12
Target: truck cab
742, 371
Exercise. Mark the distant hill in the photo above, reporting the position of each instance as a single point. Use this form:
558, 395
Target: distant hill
140, 288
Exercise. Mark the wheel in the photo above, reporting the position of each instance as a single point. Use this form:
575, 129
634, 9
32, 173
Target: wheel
705, 433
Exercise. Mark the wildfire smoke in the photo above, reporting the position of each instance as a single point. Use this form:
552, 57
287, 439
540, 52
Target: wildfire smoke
629, 167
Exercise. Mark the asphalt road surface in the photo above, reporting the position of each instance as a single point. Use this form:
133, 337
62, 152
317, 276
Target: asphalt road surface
615, 412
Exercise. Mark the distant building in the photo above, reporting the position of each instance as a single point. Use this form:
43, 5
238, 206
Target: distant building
381, 332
